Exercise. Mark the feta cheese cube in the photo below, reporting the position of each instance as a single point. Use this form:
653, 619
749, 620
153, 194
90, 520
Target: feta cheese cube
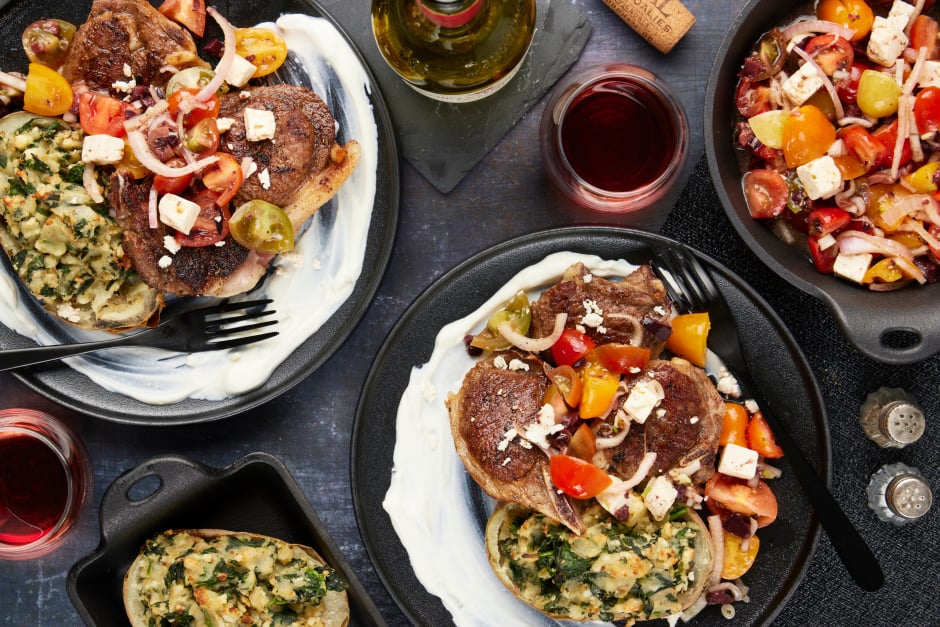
930, 74
820, 177
802, 84
852, 267
102, 149
660, 496
901, 13
241, 71
259, 124
826, 241
738, 461
178, 213
886, 42
224, 124
643, 398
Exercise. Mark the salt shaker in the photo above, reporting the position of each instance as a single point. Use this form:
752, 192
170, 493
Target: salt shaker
899, 494
891, 418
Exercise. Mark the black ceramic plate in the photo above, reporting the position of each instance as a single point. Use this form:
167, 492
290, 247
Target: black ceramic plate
895, 327
781, 371
256, 494
76, 391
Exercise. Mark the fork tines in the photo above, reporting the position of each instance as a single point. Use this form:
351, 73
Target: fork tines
687, 281
224, 326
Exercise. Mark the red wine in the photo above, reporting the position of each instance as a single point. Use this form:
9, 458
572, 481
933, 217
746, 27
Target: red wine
618, 135
34, 488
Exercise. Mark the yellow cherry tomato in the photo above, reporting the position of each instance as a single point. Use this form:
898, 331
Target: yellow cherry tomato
885, 271
807, 135
849, 167
922, 179
737, 560
264, 48
854, 14
878, 93
599, 385
47, 91
689, 337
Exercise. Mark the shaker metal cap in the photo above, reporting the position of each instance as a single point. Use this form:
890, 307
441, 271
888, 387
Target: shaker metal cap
904, 421
908, 495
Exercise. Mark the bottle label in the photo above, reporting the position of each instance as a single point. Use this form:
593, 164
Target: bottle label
450, 20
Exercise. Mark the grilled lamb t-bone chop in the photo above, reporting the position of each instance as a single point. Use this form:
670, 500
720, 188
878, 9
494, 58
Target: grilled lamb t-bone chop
131, 32
683, 429
607, 311
494, 405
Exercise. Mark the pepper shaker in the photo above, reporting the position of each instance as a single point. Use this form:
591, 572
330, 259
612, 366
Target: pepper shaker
891, 418
899, 494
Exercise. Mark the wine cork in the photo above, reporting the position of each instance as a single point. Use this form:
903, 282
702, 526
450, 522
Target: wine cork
660, 22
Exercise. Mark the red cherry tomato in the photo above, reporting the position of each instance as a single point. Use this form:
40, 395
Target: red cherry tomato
212, 224
102, 115
927, 109
863, 146
736, 495
752, 99
887, 136
189, 13
847, 86
172, 184
823, 258
766, 193
924, 35
621, 358
827, 220
807, 135
761, 439
203, 137
831, 53
578, 478
185, 97
568, 383
224, 177
571, 347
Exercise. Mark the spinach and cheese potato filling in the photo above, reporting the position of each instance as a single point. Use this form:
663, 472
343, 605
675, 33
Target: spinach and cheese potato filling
62, 244
233, 579
633, 569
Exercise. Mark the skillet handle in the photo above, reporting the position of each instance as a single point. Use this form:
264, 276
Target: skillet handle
172, 476
889, 341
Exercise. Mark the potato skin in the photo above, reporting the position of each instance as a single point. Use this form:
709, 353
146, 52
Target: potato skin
335, 603
507, 514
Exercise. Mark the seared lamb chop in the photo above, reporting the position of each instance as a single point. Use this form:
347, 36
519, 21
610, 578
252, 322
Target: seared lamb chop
132, 33
608, 311
683, 429
494, 405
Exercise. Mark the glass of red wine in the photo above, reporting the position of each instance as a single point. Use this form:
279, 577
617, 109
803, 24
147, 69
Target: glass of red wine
44, 482
614, 138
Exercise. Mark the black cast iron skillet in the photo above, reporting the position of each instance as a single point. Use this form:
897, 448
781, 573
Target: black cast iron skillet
892, 327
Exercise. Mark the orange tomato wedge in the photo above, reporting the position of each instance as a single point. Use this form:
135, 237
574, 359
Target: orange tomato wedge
47, 91
689, 337
578, 478
807, 135
734, 425
583, 443
599, 387
738, 560
761, 439
621, 358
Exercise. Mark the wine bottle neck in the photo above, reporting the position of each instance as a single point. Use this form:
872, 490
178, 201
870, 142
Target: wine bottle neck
450, 13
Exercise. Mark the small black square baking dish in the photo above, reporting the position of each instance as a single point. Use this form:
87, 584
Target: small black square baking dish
255, 494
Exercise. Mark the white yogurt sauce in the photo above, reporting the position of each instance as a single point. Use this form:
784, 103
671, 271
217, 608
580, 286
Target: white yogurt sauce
310, 283
429, 499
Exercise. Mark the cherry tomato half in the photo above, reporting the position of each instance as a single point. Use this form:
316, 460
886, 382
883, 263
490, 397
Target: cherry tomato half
924, 35
264, 48
827, 220
761, 439
863, 146
203, 138
689, 337
737, 559
189, 13
600, 387
224, 177
887, 135
583, 443
766, 193
807, 135
736, 495
621, 358
186, 97
263, 227
102, 115
734, 425
172, 184
568, 383
823, 258
831, 53
752, 99
571, 347
853, 14
578, 478
47, 91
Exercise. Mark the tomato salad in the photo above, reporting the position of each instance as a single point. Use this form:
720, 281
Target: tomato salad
839, 113
192, 170
585, 381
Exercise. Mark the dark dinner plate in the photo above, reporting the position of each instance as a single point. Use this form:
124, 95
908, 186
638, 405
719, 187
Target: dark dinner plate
894, 327
256, 494
76, 391
780, 370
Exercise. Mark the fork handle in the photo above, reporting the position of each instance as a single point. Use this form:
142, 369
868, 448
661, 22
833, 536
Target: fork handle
22, 357
855, 554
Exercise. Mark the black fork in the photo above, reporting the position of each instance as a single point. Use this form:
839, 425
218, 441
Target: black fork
691, 287
211, 328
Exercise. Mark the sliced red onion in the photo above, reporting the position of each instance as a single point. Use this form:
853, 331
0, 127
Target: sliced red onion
857, 242
827, 84
91, 183
718, 550
225, 64
12, 81
910, 269
646, 465
621, 421
147, 159
137, 122
533, 345
152, 207
816, 26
